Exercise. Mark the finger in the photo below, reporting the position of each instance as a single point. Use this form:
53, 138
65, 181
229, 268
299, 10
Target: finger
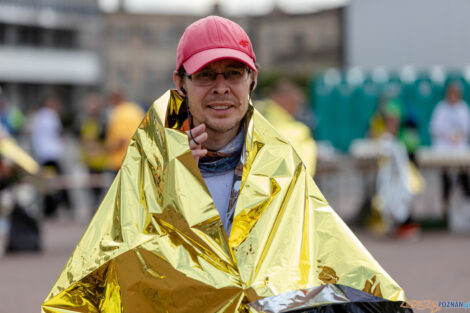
193, 144
196, 131
199, 153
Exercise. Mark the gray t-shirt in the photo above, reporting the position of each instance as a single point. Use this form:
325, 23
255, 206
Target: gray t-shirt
220, 188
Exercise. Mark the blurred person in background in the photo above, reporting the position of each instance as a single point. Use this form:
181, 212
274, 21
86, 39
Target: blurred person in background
124, 118
92, 139
408, 127
281, 109
11, 117
398, 181
19, 210
8, 177
48, 149
449, 127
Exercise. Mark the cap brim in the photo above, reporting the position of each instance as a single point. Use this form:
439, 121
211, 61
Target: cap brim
201, 59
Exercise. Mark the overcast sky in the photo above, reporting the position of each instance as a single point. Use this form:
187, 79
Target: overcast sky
231, 7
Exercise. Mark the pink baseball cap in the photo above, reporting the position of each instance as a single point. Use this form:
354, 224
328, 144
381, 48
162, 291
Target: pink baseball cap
210, 39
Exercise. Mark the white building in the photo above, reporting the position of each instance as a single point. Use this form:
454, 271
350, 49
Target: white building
398, 33
48, 46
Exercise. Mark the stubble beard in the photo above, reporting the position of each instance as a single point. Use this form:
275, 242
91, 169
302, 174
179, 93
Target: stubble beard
223, 125
221, 128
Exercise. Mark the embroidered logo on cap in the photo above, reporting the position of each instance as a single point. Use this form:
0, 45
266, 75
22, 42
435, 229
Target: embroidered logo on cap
244, 43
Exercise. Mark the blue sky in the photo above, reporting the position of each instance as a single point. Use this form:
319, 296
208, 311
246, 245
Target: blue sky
233, 7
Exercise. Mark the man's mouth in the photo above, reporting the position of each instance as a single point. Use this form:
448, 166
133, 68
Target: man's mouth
219, 107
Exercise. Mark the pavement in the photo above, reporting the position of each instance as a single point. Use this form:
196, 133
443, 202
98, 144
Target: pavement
434, 266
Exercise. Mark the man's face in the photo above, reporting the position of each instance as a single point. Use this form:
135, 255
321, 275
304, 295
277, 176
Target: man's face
222, 104
453, 95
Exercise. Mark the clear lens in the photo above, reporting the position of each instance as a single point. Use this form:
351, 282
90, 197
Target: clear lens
207, 77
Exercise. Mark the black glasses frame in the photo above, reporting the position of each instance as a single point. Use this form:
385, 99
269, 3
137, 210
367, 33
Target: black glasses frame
190, 76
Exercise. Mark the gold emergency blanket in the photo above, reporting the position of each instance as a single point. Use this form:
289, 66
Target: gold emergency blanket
10, 150
156, 243
298, 133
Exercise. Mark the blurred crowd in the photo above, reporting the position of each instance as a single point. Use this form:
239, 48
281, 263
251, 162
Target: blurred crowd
395, 150
36, 180
35, 183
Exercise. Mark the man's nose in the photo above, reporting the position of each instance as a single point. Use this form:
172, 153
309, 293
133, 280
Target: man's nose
220, 85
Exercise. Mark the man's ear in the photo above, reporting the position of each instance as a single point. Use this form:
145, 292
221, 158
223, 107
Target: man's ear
254, 81
179, 82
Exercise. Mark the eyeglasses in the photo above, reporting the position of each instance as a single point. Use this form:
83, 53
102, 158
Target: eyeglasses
208, 77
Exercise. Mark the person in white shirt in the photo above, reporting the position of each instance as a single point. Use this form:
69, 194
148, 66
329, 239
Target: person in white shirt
450, 126
46, 132
46, 140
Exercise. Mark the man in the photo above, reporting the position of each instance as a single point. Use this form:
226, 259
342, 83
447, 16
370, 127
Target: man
92, 133
280, 109
11, 117
124, 119
48, 147
19, 225
450, 122
46, 133
212, 209
450, 127
397, 181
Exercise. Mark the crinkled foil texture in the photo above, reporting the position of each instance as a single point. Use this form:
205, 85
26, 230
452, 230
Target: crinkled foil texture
300, 136
156, 243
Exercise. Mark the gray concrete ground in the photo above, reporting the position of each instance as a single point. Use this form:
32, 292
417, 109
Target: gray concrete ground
432, 267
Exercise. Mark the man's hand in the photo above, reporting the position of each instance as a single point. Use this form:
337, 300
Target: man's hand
196, 141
